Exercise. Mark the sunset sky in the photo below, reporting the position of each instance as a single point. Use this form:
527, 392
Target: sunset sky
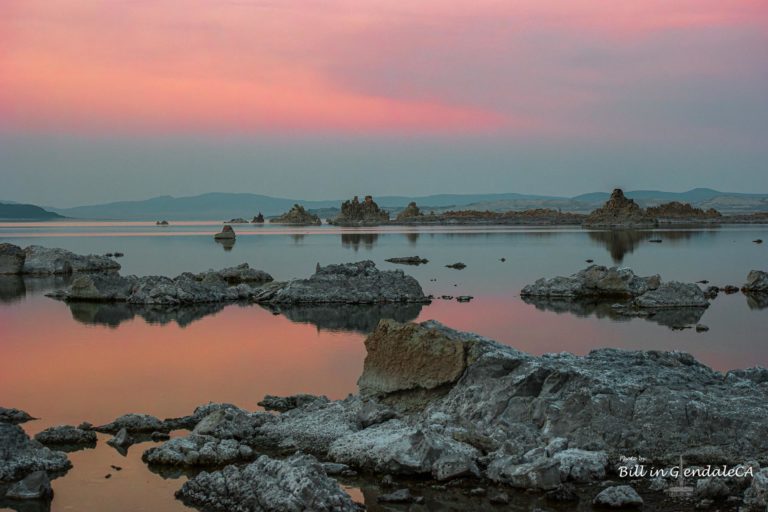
127, 99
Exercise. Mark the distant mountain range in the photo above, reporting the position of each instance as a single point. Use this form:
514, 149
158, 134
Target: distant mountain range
224, 206
16, 211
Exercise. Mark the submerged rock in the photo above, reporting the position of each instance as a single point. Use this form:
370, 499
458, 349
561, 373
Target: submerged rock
618, 496
66, 435
620, 211
14, 416
122, 440
35, 486
45, 261
408, 260
20, 456
297, 216
354, 283
295, 484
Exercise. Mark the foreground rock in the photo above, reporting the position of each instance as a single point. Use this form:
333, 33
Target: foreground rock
11, 259
20, 456
14, 416
198, 450
352, 283
295, 484
37, 260
297, 216
355, 213
601, 282
226, 285
619, 496
35, 486
757, 282
620, 211
66, 435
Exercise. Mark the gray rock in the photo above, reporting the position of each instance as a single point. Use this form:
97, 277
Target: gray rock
286, 403
295, 484
226, 285
122, 440
581, 466
14, 416
396, 448
45, 261
398, 496
372, 413
66, 434
232, 423
226, 233
11, 259
408, 260
197, 450
20, 456
618, 496
34, 486
673, 294
757, 282
756, 496
594, 281
132, 423
544, 474
354, 283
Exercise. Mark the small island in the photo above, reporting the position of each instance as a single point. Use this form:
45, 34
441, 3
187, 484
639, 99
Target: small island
297, 216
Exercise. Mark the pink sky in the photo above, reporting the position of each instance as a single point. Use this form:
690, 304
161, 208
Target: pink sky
520, 67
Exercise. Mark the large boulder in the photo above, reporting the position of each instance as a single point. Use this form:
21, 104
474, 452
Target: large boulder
355, 283
34, 486
66, 435
756, 496
593, 281
618, 496
620, 211
403, 357
757, 282
20, 456
14, 416
673, 294
46, 261
296, 484
198, 450
11, 259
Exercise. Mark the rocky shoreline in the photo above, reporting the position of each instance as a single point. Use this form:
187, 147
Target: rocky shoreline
457, 410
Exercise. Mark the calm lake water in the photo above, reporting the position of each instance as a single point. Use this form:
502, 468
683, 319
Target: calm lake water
94, 362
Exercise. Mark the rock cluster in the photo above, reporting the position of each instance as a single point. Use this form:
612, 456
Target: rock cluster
356, 213
409, 212
295, 484
297, 216
226, 285
66, 435
676, 210
351, 283
597, 281
20, 455
620, 211
537, 216
37, 260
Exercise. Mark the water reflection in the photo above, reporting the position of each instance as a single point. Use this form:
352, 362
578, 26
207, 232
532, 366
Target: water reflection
620, 243
361, 318
23, 505
226, 243
113, 314
674, 318
757, 300
14, 288
412, 238
355, 240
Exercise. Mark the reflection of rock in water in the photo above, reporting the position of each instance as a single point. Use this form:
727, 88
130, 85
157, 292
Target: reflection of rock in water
757, 300
354, 240
348, 317
674, 318
39, 505
13, 288
226, 243
412, 238
620, 243
113, 314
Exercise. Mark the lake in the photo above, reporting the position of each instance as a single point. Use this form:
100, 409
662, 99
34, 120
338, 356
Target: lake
93, 362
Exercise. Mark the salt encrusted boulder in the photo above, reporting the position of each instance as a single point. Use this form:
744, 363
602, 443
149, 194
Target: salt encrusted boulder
757, 282
297, 216
542, 474
756, 496
132, 423
355, 283
296, 484
45, 261
286, 403
14, 416
11, 259
673, 294
20, 456
618, 496
620, 211
34, 486
66, 435
197, 450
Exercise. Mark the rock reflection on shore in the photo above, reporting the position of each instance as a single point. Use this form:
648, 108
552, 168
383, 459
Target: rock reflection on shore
113, 314
362, 318
674, 318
